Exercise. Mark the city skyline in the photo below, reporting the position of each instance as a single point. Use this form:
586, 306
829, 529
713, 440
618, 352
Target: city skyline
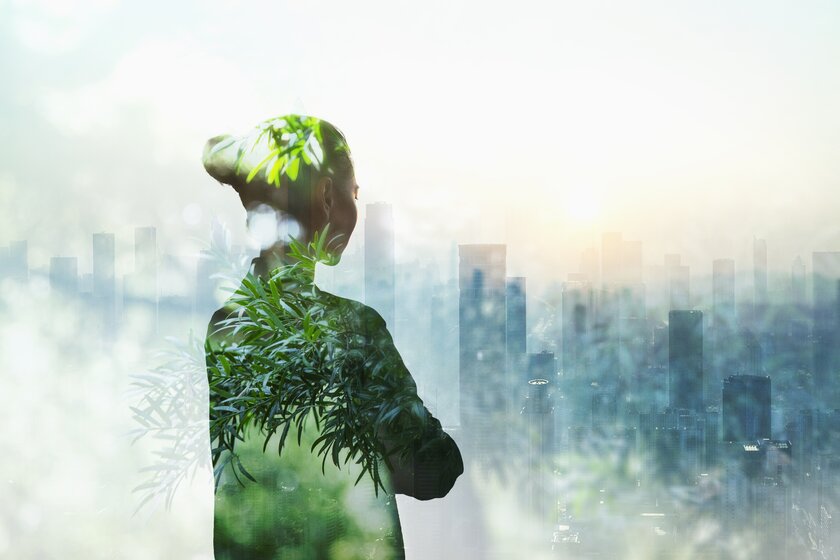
597, 374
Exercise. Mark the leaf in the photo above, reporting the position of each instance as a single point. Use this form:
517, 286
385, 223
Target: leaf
273, 153
292, 169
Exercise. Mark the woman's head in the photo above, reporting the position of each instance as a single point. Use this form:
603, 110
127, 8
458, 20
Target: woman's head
295, 166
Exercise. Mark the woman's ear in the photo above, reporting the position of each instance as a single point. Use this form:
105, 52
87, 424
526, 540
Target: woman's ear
325, 195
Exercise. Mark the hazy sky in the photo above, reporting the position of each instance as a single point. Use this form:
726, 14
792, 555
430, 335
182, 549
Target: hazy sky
692, 127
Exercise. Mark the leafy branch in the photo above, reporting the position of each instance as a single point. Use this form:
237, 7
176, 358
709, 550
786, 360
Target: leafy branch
289, 140
287, 355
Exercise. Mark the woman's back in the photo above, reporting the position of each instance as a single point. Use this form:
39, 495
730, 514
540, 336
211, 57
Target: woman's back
299, 503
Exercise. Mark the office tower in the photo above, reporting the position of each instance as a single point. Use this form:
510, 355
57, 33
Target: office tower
751, 353
516, 329
797, 283
760, 272
722, 361
603, 409
211, 263
826, 326
538, 410
542, 365
621, 261
484, 389
712, 434
443, 350
659, 347
145, 263
18, 262
619, 305
379, 260
679, 282
64, 276
205, 284
612, 246
104, 281
631, 263
140, 305
589, 266
538, 415
723, 293
685, 360
577, 302
746, 408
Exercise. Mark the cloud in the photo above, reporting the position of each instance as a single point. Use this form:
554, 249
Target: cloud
182, 93
56, 26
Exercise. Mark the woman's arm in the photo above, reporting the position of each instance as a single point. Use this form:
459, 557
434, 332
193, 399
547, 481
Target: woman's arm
426, 466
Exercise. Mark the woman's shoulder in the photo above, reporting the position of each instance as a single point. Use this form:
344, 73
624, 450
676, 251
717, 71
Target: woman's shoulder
363, 315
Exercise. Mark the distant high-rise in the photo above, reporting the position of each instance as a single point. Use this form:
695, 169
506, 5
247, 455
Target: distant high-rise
621, 261
746, 408
723, 293
140, 290
826, 275
685, 360
760, 272
538, 415
482, 317
679, 282
379, 260
798, 292
64, 276
541, 365
516, 329
104, 280
146, 262
18, 261
577, 305
611, 258
722, 359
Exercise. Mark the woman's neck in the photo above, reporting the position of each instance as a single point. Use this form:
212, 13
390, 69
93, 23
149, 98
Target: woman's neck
276, 256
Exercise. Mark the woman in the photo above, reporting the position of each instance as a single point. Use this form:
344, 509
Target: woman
328, 492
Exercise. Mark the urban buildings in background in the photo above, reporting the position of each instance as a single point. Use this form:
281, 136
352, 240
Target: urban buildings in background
379, 260
729, 394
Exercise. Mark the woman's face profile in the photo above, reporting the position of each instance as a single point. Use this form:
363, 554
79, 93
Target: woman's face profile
343, 213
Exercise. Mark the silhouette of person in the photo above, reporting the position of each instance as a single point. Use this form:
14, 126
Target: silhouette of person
296, 504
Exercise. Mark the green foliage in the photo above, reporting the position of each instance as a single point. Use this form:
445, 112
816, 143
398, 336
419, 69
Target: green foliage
290, 141
288, 354
172, 411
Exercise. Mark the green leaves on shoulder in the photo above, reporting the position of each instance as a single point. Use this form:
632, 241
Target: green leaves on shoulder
290, 353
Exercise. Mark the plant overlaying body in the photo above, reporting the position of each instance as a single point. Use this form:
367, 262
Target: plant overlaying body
293, 357
290, 140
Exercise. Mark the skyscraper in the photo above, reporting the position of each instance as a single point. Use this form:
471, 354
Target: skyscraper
746, 408
722, 360
577, 305
516, 329
538, 415
826, 271
612, 246
679, 282
379, 260
798, 292
723, 293
140, 309
104, 280
482, 336
685, 360
64, 276
760, 272
145, 262
18, 263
